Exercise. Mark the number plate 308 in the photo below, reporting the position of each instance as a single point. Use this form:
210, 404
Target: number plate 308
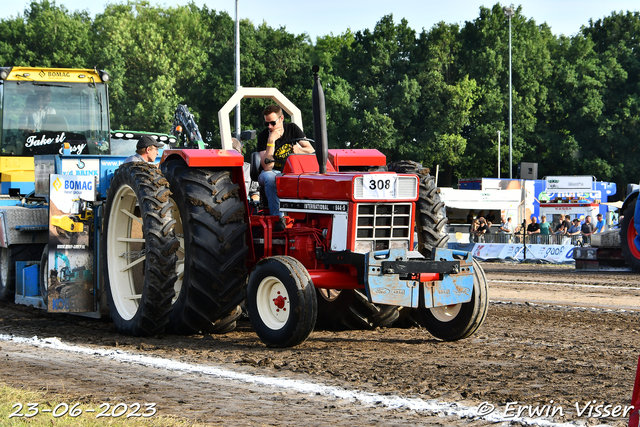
379, 186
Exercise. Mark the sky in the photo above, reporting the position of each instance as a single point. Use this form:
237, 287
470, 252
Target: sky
322, 17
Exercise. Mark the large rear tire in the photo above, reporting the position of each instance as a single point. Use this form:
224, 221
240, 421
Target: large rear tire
459, 321
350, 309
281, 301
628, 234
211, 219
332, 306
138, 250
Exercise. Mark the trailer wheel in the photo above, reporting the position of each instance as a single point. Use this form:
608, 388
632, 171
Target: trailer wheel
628, 237
458, 321
138, 250
281, 301
211, 225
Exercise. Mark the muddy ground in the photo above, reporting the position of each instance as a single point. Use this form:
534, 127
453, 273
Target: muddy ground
552, 334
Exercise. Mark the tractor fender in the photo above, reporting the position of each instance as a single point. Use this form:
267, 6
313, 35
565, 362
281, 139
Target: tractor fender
194, 157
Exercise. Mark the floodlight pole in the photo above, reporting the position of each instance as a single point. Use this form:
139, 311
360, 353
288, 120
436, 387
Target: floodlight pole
508, 11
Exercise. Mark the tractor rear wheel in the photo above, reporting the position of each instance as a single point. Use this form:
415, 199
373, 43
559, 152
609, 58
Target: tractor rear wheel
138, 250
458, 321
332, 305
628, 237
211, 228
340, 309
281, 301
363, 314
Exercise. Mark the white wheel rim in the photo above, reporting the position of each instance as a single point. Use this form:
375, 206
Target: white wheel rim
180, 252
273, 303
125, 258
446, 313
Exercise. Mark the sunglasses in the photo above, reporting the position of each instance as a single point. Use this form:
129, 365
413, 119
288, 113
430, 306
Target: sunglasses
272, 123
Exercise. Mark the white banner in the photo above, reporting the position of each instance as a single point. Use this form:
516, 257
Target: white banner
550, 253
569, 183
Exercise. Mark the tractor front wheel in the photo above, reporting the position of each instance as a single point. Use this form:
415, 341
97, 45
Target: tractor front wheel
138, 250
281, 301
458, 321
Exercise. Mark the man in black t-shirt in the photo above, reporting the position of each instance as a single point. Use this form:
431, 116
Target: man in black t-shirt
533, 227
274, 146
587, 230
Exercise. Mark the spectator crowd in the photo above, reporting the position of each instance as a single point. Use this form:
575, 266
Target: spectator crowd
579, 231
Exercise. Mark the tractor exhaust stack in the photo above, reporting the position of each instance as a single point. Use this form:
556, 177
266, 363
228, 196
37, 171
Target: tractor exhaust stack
319, 121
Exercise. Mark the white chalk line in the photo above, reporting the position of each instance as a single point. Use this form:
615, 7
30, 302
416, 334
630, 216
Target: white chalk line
565, 284
374, 399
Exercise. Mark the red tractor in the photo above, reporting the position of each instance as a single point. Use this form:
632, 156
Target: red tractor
182, 248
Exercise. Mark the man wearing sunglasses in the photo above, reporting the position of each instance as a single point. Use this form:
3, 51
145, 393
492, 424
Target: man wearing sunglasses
274, 146
146, 150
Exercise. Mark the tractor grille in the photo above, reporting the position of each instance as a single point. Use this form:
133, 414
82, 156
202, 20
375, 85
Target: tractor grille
381, 226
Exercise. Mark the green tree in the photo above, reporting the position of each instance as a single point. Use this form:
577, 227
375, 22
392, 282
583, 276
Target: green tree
445, 104
47, 36
610, 149
150, 52
337, 89
485, 58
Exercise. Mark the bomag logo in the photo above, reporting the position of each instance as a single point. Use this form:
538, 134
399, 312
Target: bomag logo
42, 74
58, 74
57, 184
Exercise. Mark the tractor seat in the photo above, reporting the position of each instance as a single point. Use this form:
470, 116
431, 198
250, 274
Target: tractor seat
254, 173
256, 167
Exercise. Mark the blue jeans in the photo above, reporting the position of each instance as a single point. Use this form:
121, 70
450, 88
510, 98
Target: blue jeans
267, 180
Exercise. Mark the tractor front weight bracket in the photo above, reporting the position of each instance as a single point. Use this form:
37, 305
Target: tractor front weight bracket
396, 276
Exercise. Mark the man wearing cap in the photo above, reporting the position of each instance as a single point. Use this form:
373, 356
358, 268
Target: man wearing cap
574, 230
146, 150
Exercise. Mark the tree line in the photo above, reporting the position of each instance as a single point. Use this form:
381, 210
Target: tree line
438, 96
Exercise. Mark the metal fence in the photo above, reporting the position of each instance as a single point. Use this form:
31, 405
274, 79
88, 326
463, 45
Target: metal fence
534, 239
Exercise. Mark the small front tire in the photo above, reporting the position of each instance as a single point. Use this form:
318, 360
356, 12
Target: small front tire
281, 301
459, 321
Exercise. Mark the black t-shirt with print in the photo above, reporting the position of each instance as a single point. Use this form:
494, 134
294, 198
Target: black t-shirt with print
282, 150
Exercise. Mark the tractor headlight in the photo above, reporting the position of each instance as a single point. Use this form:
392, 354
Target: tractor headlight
4, 72
104, 76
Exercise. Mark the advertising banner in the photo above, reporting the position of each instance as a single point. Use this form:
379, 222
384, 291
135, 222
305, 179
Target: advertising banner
550, 253
70, 285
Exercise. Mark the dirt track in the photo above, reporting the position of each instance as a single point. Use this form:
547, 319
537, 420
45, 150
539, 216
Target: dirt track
527, 353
